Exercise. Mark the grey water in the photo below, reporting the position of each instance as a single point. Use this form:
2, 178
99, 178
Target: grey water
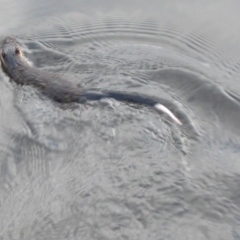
111, 170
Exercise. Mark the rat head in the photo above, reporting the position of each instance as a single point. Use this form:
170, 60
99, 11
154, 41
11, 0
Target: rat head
12, 56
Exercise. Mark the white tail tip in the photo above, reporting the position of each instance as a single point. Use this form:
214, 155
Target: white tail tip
162, 108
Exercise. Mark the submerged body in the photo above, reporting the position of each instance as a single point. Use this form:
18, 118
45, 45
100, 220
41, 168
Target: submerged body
19, 70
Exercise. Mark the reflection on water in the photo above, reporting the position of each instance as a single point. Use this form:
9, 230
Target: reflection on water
109, 170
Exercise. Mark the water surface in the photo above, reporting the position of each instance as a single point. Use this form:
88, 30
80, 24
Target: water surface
111, 170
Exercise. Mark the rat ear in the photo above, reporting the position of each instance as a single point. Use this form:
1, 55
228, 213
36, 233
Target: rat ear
3, 55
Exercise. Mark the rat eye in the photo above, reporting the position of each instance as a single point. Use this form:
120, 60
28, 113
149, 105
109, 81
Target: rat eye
17, 51
3, 55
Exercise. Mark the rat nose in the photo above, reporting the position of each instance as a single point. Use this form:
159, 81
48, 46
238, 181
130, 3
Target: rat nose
3, 55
